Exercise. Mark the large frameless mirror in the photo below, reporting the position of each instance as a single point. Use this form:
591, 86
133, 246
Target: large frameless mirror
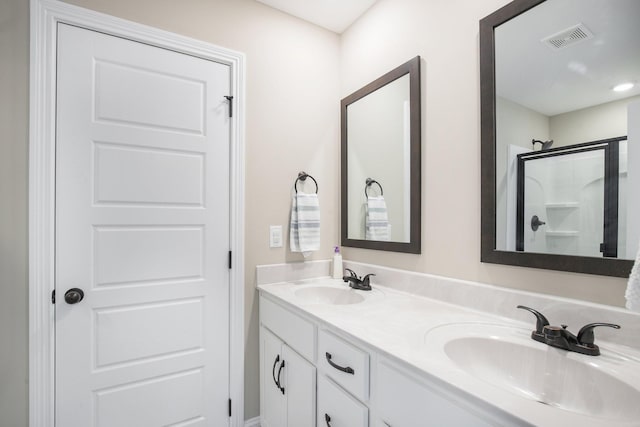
560, 100
381, 162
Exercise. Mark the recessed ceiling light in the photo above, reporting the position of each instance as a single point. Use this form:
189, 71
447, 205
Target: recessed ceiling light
623, 86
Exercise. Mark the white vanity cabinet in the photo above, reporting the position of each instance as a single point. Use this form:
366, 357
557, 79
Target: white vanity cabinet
312, 374
345, 363
343, 382
404, 400
337, 408
288, 385
287, 379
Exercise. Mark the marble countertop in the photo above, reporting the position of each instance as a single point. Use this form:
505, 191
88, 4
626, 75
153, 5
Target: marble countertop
400, 325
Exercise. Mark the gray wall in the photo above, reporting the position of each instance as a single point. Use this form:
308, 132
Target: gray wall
14, 89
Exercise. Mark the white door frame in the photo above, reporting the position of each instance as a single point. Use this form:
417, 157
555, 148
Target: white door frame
45, 15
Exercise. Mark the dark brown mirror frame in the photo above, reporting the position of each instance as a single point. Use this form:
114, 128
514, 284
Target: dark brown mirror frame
411, 67
489, 253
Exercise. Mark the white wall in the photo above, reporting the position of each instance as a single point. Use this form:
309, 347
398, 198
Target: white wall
445, 35
515, 125
602, 121
633, 180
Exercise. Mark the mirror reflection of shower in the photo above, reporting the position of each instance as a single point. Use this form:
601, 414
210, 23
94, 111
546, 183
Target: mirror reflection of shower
574, 191
545, 145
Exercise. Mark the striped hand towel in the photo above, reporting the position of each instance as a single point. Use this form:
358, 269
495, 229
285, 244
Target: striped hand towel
376, 219
304, 234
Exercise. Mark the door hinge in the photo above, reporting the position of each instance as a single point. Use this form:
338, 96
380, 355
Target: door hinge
229, 407
53, 296
229, 260
230, 99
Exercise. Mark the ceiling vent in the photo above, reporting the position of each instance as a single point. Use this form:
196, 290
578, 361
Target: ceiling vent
568, 37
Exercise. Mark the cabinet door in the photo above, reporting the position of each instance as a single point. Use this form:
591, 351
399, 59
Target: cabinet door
405, 402
300, 389
274, 403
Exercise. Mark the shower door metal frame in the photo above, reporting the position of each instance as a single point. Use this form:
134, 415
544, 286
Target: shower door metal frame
609, 245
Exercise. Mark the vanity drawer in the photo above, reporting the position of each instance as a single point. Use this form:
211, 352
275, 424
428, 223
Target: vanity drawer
346, 364
296, 332
336, 408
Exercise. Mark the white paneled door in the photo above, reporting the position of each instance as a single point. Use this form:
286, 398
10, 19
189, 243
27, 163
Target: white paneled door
142, 229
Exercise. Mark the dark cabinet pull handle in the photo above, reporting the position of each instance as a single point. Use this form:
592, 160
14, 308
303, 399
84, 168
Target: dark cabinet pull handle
280, 372
327, 418
273, 370
348, 369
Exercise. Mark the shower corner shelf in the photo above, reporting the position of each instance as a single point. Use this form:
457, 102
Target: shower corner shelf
562, 233
562, 205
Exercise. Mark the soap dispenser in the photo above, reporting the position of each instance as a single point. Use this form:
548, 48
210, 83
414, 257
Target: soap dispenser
337, 263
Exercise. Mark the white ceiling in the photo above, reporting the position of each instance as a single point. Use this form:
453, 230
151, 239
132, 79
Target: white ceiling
550, 81
528, 71
334, 15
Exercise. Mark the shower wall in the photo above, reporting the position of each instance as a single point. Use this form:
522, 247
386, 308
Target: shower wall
567, 193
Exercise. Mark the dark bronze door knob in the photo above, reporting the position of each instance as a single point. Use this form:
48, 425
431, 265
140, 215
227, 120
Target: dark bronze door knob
73, 296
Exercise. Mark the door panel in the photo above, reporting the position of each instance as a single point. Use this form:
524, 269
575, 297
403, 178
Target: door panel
125, 92
137, 404
136, 333
142, 226
134, 254
170, 178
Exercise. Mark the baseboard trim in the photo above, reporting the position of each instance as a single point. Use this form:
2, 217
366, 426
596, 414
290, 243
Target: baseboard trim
253, 422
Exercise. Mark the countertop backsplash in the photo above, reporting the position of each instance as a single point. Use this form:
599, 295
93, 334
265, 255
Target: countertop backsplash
498, 301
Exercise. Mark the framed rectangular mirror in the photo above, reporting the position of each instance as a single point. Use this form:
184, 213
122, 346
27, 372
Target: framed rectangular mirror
380, 133
560, 136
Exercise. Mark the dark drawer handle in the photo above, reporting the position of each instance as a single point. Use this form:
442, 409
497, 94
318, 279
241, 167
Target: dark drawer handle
273, 370
280, 372
348, 369
327, 418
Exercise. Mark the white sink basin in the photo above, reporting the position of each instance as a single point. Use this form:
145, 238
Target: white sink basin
507, 358
329, 295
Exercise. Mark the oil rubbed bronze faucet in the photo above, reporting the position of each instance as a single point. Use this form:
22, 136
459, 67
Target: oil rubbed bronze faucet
560, 337
361, 284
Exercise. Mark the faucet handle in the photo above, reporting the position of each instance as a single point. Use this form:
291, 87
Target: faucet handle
541, 320
585, 335
351, 278
351, 272
365, 279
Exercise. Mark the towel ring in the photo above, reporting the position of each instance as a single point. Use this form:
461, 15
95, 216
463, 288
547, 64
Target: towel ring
369, 182
302, 176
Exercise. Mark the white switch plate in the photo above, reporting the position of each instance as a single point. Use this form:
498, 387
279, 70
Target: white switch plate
275, 236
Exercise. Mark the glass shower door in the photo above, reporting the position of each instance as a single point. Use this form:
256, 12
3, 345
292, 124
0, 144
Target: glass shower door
566, 199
